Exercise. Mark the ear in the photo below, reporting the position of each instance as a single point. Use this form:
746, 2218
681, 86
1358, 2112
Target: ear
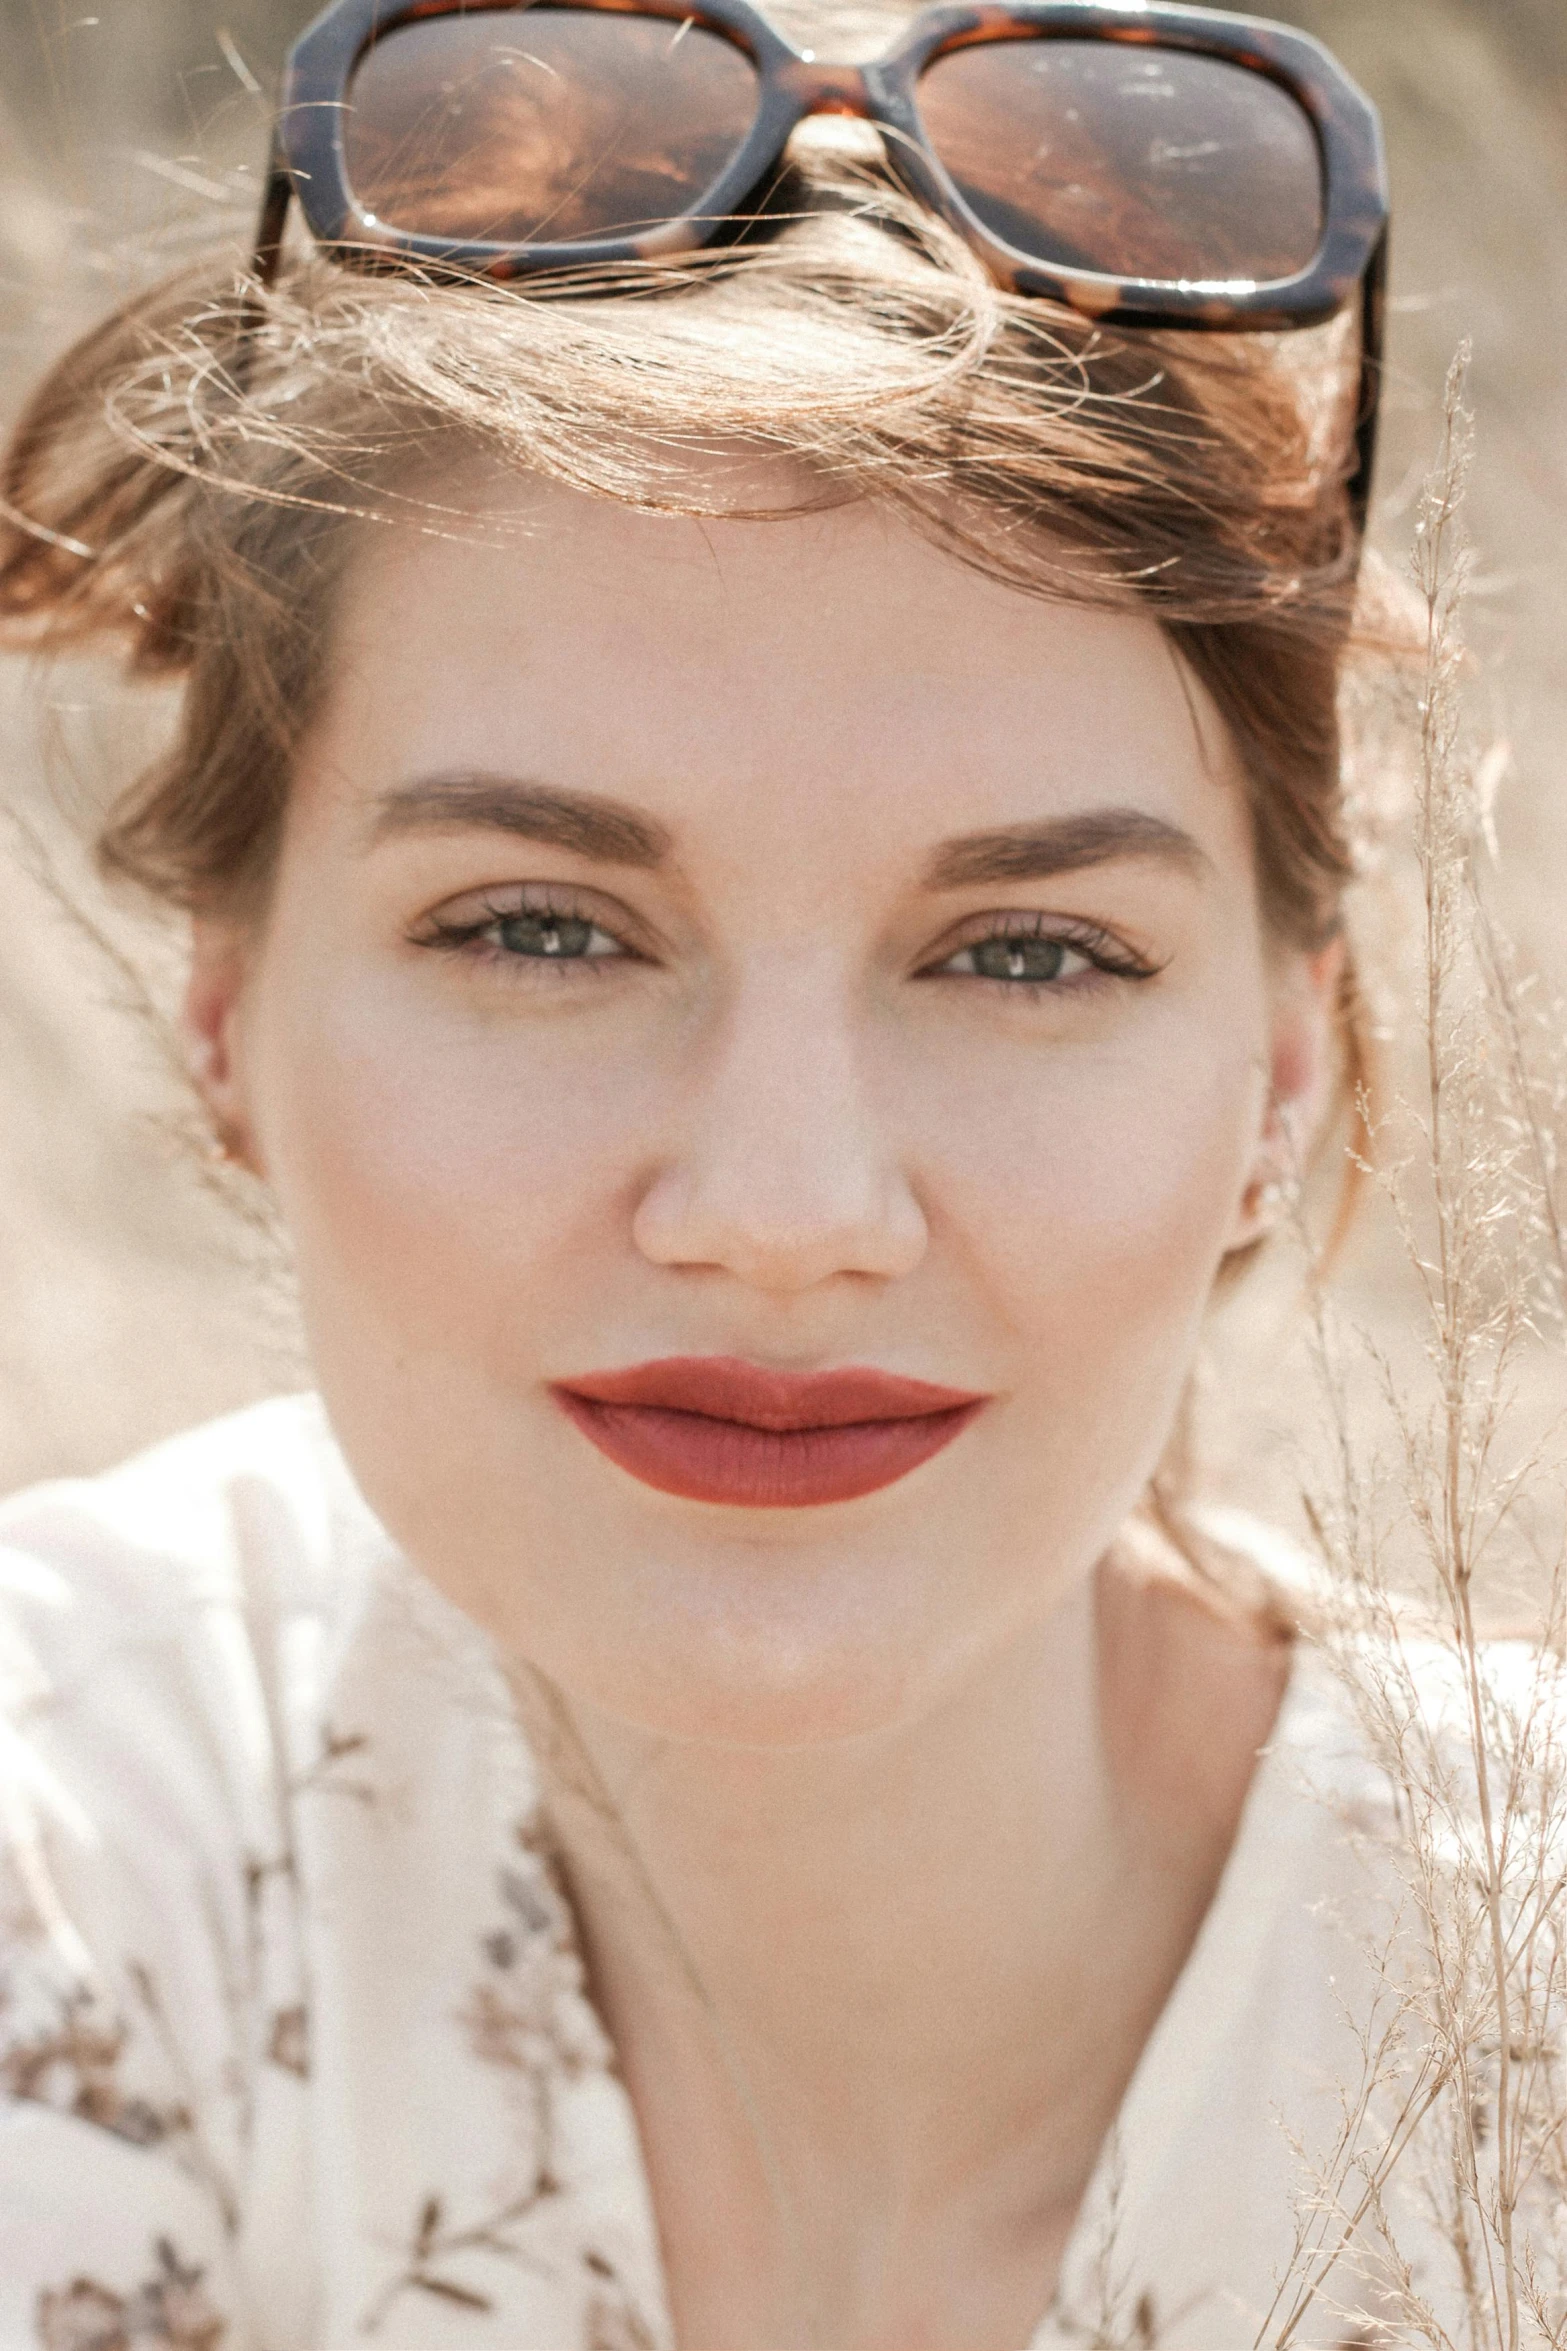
211, 1024
1303, 1048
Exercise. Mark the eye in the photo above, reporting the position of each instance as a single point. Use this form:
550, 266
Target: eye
1036, 960
1036, 954
568, 938
522, 927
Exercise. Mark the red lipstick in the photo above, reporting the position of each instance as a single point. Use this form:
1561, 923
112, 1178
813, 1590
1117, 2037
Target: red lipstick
714, 1429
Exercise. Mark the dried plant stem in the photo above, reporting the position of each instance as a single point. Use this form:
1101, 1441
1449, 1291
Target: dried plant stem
1445, 2199
1441, 568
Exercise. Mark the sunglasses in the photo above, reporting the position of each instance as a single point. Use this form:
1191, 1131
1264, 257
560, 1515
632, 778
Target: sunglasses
1144, 163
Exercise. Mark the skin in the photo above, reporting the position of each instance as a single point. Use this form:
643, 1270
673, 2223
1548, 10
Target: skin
933, 1787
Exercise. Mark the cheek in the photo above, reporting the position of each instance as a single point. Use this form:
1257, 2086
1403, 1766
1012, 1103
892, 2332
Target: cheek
1089, 1202
435, 1169
1094, 1192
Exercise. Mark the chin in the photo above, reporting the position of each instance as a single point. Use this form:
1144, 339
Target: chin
799, 1628
721, 1701
747, 1652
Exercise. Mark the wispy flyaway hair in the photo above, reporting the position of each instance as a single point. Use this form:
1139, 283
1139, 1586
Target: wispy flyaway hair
191, 480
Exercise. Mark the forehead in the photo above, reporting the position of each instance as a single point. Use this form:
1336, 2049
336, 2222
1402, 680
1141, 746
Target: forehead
738, 667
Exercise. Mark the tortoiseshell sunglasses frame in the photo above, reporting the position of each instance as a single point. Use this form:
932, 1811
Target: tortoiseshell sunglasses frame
308, 160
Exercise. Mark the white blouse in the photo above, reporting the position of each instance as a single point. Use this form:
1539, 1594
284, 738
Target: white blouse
295, 2050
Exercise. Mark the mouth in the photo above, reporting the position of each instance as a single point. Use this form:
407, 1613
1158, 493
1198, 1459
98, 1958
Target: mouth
711, 1428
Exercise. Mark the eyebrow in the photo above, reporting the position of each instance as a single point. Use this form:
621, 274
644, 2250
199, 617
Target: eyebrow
1062, 844
610, 833
607, 831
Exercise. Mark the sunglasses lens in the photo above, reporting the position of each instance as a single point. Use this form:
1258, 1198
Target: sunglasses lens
1127, 160
547, 126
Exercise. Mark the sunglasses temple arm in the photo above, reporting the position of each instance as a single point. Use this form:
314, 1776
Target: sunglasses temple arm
263, 264
274, 215
1373, 317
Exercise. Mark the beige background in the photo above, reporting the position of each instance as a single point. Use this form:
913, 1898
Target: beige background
130, 1303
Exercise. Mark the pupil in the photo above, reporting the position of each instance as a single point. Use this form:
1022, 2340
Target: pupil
545, 934
1020, 959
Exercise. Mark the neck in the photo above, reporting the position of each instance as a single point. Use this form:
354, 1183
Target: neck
907, 1895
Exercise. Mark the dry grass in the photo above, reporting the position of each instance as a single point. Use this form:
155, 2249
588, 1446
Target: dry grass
1444, 2196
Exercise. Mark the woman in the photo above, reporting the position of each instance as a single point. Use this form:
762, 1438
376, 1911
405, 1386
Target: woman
766, 872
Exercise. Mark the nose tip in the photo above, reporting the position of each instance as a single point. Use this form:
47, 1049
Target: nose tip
766, 1234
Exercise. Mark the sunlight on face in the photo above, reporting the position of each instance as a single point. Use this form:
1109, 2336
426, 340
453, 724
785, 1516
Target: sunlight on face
762, 940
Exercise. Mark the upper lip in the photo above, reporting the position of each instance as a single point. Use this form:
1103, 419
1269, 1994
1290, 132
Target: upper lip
724, 1387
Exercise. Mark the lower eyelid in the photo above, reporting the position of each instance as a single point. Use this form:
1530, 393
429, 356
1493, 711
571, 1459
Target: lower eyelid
541, 970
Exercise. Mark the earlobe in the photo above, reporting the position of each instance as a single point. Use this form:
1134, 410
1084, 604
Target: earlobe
211, 1028
1302, 1072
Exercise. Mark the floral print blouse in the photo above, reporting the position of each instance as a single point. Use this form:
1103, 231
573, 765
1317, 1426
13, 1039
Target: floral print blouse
296, 2052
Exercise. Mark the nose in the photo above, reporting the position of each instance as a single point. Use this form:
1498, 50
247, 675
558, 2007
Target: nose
782, 1174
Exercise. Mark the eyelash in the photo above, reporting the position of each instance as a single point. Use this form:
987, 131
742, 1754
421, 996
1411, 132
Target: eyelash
467, 937
1109, 957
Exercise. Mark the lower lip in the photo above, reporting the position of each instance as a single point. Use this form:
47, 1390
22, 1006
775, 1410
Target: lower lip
707, 1460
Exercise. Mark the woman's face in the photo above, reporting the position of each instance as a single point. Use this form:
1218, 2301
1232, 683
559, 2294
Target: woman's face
759, 941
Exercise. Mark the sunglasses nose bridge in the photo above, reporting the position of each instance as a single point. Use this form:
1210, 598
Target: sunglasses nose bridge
827, 89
